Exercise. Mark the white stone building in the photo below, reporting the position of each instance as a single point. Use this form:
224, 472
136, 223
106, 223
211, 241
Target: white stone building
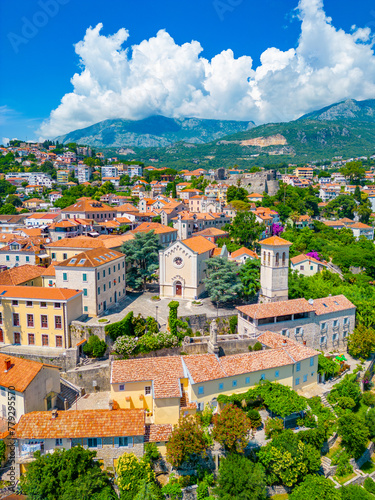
182, 267
100, 273
274, 270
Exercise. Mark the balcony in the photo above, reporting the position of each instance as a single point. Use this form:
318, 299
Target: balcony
346, 326
335, 328
323, 331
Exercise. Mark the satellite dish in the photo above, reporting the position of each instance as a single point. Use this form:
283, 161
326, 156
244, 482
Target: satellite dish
48, 240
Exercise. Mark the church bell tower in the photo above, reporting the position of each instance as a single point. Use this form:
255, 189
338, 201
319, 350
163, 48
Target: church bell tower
274, 269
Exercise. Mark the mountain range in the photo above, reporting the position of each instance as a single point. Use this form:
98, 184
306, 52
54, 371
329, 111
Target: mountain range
154, 131
343, 129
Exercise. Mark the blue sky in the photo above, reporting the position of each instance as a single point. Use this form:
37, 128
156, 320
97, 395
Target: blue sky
38, 59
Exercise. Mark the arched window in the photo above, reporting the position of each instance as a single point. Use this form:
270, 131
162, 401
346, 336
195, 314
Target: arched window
277, 259
269, 258
264, 257
283, 258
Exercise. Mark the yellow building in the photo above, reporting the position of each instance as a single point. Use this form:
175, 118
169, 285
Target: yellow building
38, 316
171, 387
62, 176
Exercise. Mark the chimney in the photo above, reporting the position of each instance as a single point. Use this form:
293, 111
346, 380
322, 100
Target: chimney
8, 364
54, 413
284, 342
304, 342
110, 404
66, 404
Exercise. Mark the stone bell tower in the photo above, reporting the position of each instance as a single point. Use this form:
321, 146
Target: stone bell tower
274, 269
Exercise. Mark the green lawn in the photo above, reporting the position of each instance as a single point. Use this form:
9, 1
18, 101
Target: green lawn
342, 480
368, 467
282, 496
335, 448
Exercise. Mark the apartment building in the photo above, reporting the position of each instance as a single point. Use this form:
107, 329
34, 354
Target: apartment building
62, 176
86, 208
99, 273
24, 251
84, 174
109, 171
188, 223
171, 387
38, 316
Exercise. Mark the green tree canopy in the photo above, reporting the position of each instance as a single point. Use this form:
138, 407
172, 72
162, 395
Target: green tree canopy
361, 342
142, 258
236, 193
354, 434
67, 475
244, 230
239, 478
222, 280
250, 277
132, 474
315, 488
287, 459
354, 170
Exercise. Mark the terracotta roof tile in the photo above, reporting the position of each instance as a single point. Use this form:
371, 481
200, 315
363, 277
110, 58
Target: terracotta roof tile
269, 310
88, 205
302, 258
155, 433
332, 304
203, 367
78, 242
21, 373
91, 258
17, 275
199, 244
37, 292
81, 424
275, 241
165, 372
243, 251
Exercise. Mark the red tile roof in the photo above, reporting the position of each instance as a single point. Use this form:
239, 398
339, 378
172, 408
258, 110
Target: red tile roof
199, 244
22, 372
275, 241
81, 424
17, 275
37, 292
165, 373
244, 251
155, 433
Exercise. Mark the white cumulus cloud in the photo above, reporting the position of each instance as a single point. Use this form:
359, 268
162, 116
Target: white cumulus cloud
159, 76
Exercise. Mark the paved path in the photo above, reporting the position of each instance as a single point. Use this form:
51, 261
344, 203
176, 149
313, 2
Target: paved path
141, 303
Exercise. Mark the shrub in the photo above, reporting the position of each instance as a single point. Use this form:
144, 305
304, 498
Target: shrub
131, 472
273, 427
233, 324
370, 422
369, 485
250, 347
255, 418
368, 398
94, 347
343, 466
345, 402
151, 452
328, 366
121, 328
257, 346
354, 434
206, 416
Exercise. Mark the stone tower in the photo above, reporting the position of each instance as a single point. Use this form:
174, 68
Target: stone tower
274, 269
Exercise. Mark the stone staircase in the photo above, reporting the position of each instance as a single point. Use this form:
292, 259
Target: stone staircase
326, 468
68, 392
327, 404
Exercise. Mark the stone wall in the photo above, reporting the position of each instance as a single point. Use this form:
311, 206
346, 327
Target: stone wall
81, 331
67, 362
258, 182
357, 464
201, 323
85, 376
277, 490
